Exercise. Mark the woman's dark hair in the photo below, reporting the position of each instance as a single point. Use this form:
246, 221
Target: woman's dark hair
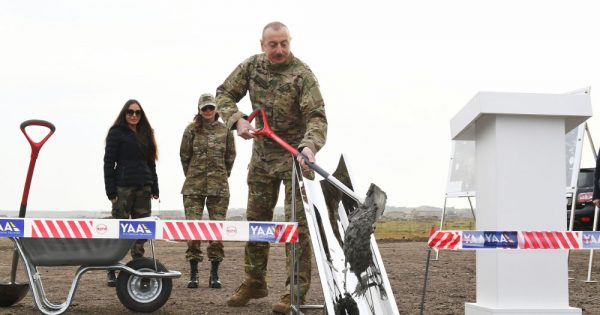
198, 120
144, 133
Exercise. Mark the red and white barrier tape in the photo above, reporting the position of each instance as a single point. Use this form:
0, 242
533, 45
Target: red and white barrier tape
150, 228
515, 240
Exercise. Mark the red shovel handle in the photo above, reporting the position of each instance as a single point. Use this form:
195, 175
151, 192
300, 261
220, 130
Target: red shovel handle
35, 149
266, 131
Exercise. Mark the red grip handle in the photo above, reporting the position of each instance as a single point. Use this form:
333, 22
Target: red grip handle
266, 131
36, 146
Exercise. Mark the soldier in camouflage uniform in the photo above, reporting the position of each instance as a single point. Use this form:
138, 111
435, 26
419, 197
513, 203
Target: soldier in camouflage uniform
207, 154
130, 176
288, 91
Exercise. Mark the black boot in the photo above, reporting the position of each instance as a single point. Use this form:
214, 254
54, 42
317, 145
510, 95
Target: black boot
213, 280
193, 283
111, 279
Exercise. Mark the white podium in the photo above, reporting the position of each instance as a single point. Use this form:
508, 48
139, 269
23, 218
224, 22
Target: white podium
521, 176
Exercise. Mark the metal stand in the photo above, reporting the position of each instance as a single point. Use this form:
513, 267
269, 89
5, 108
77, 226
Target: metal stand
577, 166
572, 188
591, 259
422, 308
295, 307
572, 220
437, 252
573, 195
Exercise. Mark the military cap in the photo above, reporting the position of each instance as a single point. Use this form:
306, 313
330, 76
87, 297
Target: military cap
206, 99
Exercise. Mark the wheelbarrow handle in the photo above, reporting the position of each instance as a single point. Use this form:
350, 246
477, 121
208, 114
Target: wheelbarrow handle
35, 149
268, 132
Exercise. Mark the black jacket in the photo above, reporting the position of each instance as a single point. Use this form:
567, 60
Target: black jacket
128, 162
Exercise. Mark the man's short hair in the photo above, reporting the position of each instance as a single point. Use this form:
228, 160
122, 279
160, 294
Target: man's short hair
274, 25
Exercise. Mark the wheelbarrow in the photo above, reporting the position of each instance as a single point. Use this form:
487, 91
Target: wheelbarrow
143, 284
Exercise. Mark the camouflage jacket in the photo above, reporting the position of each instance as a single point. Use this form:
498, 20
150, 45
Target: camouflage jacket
207, 157
289, 94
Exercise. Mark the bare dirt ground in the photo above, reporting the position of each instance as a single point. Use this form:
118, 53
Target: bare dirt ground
451, 282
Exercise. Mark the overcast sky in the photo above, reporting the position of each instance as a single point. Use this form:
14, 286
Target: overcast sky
392, 74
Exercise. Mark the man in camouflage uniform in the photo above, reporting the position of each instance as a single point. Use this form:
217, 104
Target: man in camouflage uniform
288, 91
207, 154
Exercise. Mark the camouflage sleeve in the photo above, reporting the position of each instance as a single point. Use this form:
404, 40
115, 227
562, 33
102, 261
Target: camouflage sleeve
229, 152
187, 147
231, 92
313, 111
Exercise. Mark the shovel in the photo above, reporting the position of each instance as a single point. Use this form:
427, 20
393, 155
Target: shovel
12, 292
356, 246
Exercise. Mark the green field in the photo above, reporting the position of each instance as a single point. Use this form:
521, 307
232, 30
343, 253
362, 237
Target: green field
416, 230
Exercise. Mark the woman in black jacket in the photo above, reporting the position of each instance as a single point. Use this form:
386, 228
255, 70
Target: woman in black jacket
130, 176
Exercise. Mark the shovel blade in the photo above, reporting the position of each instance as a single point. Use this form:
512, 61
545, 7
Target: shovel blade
12, 293
333, 196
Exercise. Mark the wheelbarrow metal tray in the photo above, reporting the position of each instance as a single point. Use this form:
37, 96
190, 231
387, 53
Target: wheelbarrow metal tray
75, 252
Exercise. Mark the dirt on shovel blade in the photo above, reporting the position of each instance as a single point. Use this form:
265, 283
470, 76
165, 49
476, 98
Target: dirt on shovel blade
361, 217
357, 240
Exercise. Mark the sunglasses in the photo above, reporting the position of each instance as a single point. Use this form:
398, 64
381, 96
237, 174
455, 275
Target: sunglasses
207, 108
131, 112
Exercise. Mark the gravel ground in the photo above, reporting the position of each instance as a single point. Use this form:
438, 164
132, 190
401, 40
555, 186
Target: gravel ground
451, 283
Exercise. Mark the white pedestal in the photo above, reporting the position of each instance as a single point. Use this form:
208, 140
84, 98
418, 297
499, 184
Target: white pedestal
476, 309
521, 176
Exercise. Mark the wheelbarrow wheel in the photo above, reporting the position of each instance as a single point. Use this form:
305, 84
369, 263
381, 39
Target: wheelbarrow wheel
143, 294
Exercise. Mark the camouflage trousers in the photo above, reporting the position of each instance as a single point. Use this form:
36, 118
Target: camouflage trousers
133, 202
263, 192
217, 210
